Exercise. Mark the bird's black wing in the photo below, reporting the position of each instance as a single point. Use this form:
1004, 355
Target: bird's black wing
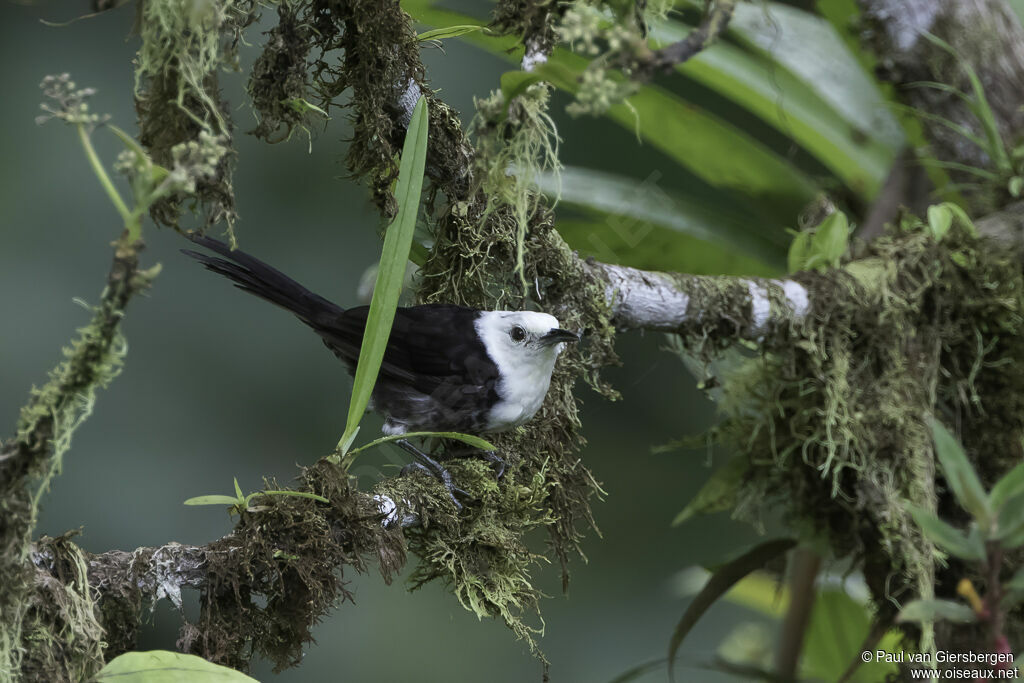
430, 346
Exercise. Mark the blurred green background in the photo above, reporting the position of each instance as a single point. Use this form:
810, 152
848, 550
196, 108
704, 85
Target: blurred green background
219, 385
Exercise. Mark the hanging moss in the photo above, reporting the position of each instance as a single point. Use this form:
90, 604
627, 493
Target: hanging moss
281, 570
485, 249
177, 95
831, 418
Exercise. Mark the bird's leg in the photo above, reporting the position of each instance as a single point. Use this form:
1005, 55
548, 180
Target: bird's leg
493, 459
427, 464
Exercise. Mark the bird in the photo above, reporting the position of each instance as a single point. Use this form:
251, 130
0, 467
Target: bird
446, 368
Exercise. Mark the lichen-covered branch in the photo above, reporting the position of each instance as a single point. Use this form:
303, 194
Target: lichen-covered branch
715, 21
727, 308
33, 456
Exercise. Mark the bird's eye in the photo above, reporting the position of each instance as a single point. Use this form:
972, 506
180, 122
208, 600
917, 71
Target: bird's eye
517, 333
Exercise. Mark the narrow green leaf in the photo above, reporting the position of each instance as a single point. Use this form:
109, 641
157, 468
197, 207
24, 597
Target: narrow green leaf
721, 581
212, 500
1008, 486
925, 611
295, 494
636, 672
450, 32
238, 490
474, 441
960, 474
940, 220
161, 666
718, 493
946, 537
846, 126
391, 271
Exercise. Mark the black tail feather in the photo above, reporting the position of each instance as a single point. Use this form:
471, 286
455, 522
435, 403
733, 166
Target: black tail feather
268, 283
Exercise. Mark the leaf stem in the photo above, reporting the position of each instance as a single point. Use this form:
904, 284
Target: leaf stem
130, 218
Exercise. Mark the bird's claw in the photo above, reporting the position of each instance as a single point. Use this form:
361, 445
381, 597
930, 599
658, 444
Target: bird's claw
497, 462
424, 463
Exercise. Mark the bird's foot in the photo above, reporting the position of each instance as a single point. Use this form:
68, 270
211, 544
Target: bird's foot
424, 463
496, 462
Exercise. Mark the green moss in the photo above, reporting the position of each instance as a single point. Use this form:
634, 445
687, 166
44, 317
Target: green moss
832, 416
184, 46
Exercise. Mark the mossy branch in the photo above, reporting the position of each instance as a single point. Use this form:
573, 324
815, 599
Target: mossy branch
30, 460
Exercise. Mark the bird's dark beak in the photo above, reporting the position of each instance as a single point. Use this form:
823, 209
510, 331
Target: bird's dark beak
556, 335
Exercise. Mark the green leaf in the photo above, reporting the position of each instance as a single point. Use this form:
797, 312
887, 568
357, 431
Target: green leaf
722, 155
940, 220
295, 494
838, 627
1008, 486
474, 441
1016, 186
925, 611
515, 83
238, 490
643, 225
391, 271
960, 474
1010, 519
213, 500
853, 136
721, 581
161, 666
450, 32
830, 239
799, 252
946, 537
718, 493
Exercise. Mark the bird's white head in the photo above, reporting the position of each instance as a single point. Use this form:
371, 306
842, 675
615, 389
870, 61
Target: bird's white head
524, 346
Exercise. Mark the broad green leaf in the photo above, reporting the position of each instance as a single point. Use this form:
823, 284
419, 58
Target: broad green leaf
838, 627
391, 271
719, 493
831, 238
161, 666
450, 32
1010, 518
1008, 486
213, 500
856, 154
644, 225
940, 220
813, 51
946, 537
799, 252
960, 474
1016, 186
474, 441
722, 580
924, 611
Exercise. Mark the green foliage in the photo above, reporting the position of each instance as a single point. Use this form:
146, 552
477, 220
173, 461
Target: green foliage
718, 493
161, 666
927, 611
947, 538
822, 247
724, 578
439, 34
960, 474
390, 273
474, 441
241, 502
